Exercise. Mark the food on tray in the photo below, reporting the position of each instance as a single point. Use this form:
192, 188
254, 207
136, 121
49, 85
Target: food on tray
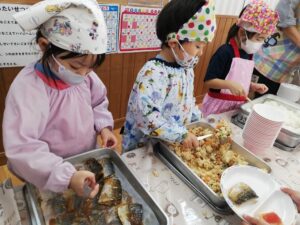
292, 119
241, 193
112, 205
108, 168
94, 166
272, 218
131, 214
213, 156
111, 193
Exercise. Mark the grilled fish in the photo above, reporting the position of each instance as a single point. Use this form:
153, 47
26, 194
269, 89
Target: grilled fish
241, 193
95, 167
108, 168
111, 193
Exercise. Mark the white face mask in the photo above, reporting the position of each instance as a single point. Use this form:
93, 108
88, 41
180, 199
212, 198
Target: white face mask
251, 47
188, 61
67, 75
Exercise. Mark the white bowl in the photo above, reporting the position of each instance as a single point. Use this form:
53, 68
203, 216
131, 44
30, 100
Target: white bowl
270, 113
289, 91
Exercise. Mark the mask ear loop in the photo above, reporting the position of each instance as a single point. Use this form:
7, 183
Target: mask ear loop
246, 35
60, 66
182, 49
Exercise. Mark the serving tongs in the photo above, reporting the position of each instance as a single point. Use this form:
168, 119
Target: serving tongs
203, 137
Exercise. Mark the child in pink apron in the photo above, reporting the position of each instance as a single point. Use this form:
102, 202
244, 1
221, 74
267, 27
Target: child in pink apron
57, 106
229, 73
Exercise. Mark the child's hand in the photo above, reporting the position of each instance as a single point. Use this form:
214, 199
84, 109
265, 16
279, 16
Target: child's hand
190, 141
109, 140
253, 221
295, 196
260, 88
236, 89
81, 178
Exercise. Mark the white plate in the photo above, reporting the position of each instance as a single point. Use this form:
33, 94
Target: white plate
270, 198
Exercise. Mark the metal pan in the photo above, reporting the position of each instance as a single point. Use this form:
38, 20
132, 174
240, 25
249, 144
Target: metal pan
286, 136
153, 214
195, 180
221, 210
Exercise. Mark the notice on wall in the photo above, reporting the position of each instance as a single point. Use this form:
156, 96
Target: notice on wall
111, 16
17, 47
137, 29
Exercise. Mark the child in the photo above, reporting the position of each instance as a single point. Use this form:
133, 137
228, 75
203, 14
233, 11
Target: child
161, 102
56, 107
229, 73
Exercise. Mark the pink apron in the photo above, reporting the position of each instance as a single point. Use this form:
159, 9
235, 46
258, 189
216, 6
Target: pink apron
240, 71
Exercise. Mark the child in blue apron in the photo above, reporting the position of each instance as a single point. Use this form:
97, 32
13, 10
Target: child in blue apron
162, 100
229, 73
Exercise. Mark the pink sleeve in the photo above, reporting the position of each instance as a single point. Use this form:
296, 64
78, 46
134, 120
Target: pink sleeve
25, 118
103, 117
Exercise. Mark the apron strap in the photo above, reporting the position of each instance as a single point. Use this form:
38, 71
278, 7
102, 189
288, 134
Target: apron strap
236, 49
227, 97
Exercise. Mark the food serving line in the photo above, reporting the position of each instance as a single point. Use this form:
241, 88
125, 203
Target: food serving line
177, 197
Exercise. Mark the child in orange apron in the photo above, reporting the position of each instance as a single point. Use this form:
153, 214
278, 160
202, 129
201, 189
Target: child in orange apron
229, 73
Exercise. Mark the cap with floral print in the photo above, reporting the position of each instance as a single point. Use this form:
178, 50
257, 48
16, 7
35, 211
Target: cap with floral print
201, 27
73, 25
259, 17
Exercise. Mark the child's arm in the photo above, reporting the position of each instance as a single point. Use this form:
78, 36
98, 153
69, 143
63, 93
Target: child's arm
153, 123
25, 117
288, 20
217, 71
234, 87
103, 118
260, 88
150, 91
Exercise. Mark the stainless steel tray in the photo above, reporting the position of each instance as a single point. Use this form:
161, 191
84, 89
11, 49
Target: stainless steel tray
195, 180
155, 214
286, 136
226, 210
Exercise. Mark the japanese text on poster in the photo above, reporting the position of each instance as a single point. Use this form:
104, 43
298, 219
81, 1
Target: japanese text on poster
111, 16
17, 47
137, 29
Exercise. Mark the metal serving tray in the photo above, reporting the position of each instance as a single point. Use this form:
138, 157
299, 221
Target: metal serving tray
286, 136
226, 210
195, 180
154, 215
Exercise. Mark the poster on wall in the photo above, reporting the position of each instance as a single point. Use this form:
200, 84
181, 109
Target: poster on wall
17, 47
137, 29
111, 16
151, 3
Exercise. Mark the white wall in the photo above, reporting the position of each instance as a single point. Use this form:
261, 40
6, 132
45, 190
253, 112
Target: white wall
229, 7
234, 7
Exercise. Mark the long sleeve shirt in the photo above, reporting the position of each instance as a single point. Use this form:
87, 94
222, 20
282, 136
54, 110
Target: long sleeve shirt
160, 104
46, 121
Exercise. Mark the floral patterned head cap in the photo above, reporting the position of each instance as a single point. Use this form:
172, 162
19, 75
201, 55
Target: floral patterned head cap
259, 17
201, 27
74, 25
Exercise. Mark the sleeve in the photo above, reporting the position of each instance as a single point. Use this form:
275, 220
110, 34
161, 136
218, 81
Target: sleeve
286, 10
25, 118
103, 117
151, 90
219, 64
196, 114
